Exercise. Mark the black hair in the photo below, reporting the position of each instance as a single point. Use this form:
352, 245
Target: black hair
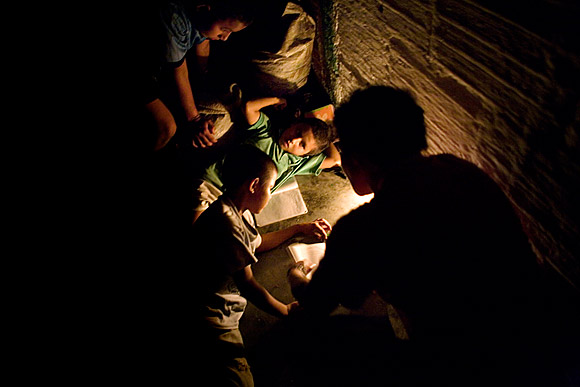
245, 163
241, 10
382, 123
323, 133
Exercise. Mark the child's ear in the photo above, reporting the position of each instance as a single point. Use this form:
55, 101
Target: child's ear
254, 184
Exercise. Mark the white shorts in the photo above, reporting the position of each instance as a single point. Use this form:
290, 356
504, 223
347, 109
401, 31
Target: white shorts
205, 193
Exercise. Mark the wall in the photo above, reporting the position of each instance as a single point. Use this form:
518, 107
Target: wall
500, 87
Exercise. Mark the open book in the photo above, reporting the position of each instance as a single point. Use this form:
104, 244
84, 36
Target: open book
286, 202
310, 253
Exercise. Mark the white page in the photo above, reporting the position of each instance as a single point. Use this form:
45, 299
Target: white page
310, 253
286, 202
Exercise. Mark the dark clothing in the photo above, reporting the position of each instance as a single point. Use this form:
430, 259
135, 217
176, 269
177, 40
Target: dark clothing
442, 244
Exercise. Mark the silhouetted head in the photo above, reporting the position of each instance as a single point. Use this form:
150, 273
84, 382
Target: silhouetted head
377, 127
382, 123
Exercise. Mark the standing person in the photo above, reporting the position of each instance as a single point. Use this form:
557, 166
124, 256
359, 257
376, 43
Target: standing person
441, 243
191, 25
225, 241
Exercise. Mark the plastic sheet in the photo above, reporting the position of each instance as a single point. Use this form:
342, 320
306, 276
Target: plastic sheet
286, 70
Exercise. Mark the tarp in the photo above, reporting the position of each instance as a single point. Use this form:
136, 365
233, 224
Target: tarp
286, 70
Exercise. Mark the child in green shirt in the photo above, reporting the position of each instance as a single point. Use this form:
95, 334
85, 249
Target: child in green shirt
304, 148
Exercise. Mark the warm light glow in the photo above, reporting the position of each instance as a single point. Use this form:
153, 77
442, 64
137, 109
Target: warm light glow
350, 201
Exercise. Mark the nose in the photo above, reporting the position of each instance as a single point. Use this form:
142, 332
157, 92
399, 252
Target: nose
225, 35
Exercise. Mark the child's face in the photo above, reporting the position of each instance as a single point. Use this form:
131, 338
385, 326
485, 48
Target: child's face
262, 193
222, 29
298, 139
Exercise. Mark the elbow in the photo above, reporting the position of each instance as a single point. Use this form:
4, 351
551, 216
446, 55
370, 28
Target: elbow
333, 161
251, 113
247, 109
330, 162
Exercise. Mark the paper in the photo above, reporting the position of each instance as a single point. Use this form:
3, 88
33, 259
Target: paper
286, 202
310, 253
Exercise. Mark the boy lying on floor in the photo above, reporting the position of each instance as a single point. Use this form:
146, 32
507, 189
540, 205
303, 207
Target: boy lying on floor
303, 148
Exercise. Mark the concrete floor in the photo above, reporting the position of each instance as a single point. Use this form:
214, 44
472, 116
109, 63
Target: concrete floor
352, 348
326, 196
277, 350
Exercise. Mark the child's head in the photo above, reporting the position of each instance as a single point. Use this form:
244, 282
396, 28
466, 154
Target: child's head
306, 137
218, 19
250, 173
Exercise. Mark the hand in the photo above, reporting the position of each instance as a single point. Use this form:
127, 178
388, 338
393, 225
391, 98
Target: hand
281, 104
320, 229
297, 277
203, 133
293, 307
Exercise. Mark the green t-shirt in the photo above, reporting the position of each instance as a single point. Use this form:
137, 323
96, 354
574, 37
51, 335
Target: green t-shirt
262, 136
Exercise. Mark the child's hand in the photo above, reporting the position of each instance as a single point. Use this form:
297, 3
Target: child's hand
281, 104
320, 229
203, 133
293, 307
298, 278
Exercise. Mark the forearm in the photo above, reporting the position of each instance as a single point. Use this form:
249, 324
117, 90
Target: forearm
253, 107
181, 75
202, 54
260, 297
275, 238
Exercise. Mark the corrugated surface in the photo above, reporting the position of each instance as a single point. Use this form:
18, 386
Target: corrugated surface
500, 87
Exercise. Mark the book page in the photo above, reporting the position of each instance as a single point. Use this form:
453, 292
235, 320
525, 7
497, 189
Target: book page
310, 253
286, 202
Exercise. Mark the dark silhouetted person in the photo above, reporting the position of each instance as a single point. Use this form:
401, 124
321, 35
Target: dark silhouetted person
442, 244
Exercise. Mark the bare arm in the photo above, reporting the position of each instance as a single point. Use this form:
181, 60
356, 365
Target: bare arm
319, 228
181, 76
202, 54
258, 295
253, 107
332, 157
204, 135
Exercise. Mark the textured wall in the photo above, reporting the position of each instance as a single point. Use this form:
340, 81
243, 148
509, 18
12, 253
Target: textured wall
500, 86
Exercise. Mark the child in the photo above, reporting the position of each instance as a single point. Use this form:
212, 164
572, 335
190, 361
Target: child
188, 25
226, 238
304, 148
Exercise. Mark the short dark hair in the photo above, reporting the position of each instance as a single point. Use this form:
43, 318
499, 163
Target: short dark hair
245, 163
322, 132
241, 10
381, 122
